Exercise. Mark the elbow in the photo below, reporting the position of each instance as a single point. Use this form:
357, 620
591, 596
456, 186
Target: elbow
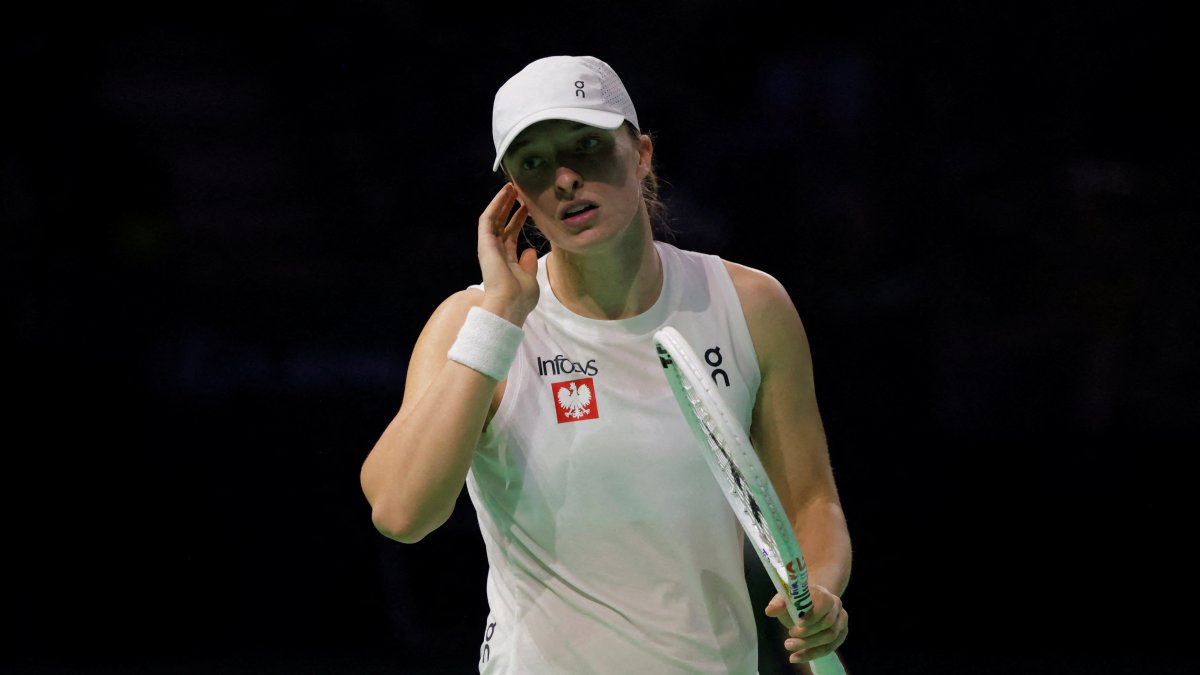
390, 521
402, 535
403, 527
400, 515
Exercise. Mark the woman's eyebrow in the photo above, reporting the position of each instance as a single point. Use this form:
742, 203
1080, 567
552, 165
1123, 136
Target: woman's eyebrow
518, 144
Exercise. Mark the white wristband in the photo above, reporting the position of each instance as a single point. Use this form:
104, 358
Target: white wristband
486, 343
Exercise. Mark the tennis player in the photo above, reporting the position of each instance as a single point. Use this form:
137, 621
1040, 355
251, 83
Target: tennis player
611, 549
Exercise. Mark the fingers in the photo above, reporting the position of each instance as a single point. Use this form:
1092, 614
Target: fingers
814, 645
493, 227
826, 610
510, 283
811, 624
821, 631
516, 221
529, 262
810, 641
510, 232
492, 222
777, 608
493, 215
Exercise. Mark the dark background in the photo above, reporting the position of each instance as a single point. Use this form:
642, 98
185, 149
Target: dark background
225, 225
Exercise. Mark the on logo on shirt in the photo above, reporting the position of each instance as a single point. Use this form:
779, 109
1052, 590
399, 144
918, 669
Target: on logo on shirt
575, 400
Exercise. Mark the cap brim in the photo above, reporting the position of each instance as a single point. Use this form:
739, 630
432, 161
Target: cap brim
595, 118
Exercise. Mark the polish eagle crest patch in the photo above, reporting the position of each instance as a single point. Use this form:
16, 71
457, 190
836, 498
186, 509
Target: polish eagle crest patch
575, 400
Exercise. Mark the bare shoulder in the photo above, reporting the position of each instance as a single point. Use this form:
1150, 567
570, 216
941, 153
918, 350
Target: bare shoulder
759, 291
440, 331
452, 311
771, 316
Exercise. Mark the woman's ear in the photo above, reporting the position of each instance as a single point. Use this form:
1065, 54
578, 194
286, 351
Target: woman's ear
645, 155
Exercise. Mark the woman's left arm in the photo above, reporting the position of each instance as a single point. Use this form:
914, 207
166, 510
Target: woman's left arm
787, 432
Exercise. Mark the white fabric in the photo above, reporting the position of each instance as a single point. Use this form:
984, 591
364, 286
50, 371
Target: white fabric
611, 548
486, 343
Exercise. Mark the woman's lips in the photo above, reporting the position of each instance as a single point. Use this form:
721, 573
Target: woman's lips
582, 218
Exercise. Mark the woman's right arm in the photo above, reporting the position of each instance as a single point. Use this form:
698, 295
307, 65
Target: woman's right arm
415, 472
413, 475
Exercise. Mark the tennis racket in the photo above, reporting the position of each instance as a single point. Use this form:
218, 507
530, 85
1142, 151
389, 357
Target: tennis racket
742, 478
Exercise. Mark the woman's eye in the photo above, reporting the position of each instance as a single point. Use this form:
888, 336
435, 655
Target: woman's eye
531, 163
589, 143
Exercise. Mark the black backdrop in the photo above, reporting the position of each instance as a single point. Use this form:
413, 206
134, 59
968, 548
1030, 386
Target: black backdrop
226, 224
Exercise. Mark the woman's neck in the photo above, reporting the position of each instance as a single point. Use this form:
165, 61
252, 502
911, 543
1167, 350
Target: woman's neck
620, 282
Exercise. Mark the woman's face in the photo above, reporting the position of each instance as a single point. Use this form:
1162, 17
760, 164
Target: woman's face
582, 184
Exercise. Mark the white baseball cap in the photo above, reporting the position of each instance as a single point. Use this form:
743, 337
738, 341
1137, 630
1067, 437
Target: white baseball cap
577, 88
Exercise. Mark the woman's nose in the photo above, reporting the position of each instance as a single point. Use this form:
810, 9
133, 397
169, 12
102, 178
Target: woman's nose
567, 180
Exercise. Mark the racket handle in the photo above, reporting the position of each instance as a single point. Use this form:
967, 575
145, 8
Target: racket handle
829, 664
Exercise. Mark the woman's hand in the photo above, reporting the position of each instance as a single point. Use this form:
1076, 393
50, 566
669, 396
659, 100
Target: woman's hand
819, 632
510, 284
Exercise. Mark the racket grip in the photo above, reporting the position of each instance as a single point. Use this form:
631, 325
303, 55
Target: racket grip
829, 664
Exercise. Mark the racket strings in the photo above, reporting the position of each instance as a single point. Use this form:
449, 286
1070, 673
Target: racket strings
790, 572
716, 441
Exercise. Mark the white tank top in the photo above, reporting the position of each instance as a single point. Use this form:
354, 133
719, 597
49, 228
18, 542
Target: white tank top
611, 548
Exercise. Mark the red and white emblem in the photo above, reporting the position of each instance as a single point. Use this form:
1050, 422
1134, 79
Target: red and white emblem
575, 400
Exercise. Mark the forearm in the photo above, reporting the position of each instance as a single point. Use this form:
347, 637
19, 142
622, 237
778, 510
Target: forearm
415, 472
821, 529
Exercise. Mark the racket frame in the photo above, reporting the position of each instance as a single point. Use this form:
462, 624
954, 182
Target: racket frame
743, 480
